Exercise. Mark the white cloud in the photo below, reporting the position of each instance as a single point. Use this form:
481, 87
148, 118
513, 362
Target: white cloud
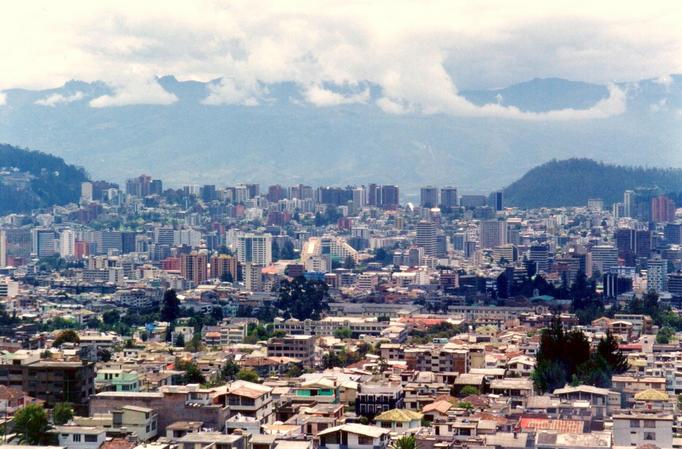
55, 99
661, 105
420, 57
319, 96
3, 99
230, 91
135, 91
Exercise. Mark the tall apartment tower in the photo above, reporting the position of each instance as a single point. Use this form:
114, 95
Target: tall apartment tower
426, 237
254, 248
194, 267
492, 233
448, 197
429, 197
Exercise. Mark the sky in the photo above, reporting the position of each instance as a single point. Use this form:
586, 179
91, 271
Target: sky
420, 54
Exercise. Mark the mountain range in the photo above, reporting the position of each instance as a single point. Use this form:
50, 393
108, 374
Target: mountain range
287, 140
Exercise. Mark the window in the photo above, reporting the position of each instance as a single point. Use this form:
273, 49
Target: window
651, 436
90, 438
634, 423
649, 424
76, 437
365, 441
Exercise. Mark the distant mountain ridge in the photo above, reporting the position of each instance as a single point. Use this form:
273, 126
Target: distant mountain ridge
32, 180
572, 182
286, 140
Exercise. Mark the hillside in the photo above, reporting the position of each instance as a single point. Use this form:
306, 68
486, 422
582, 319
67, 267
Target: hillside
572, 182
286, 140
31, 180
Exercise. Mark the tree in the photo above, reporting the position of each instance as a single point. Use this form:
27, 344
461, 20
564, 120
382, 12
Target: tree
170, 308
229, 371
303, 299
111, 317
468, 390
193, 374
195, 345
343, 333
405, 442
608, 350
294, 371
180, 341
30, 423
217, 313
62, 413
67, 336
664, 335
248, 375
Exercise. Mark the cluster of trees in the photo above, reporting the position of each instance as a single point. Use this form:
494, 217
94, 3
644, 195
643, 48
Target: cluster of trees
566, 357
441, 330
331, 216
303, 299
286, 252
31, 422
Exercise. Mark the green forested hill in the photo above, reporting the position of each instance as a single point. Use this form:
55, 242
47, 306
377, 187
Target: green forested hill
572, 182
49, 180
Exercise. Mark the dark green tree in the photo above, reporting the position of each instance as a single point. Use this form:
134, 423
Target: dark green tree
229, 371
62, 413
607, 348
170, 308
193, 374
303, 299
248, 375
179, 341
67, 336
30, 424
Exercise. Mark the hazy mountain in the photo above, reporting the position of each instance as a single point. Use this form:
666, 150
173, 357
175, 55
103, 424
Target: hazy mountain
287, 140
574, 181
31, 180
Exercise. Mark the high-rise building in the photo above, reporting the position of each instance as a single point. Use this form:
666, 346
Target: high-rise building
672, 233
389, 197
3, 248
67, 243
662, 209
429, 197
495, 200
86, 191
603, 257
254, 248
492, 233
628, 203
222, 264
595, 204
448, 198
139, 187
426, 237
539, 254
194, 267
675, 284
657, 274
108, 241
359, 197
275, 193
43, 242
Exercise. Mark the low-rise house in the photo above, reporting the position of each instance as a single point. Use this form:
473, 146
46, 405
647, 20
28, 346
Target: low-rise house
517, 390
80, 437
638, 428
399, 420
354, 436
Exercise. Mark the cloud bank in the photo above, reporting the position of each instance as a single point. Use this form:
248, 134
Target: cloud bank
418, 55
55, 99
